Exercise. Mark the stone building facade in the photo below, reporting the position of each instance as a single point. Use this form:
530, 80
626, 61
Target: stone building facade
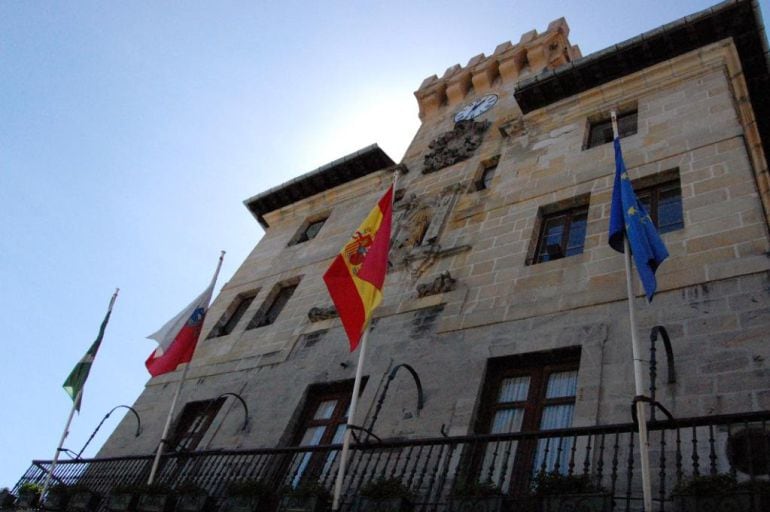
499, 264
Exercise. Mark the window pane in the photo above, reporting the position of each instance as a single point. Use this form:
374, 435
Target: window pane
313, 229
670, 210
339, 436
325, 410
312, 436
280, 300
507, 421
601, 133
562, 384
550, 245
243, 305
577, 234
553, 453
627, 124
557, 416
514, 389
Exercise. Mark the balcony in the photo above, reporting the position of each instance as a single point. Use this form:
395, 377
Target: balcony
737, 444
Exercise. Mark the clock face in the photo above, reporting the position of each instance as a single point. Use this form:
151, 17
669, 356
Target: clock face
476, 108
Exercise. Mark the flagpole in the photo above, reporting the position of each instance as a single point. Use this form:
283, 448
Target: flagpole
167, 426
75, 405
641, 415
351, 415
354, 401
61, 443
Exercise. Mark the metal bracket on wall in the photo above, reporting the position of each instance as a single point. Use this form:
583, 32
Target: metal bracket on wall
131, 409
391, 376
660, 330
243, 403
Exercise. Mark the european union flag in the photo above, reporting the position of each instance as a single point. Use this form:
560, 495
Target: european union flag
628, 215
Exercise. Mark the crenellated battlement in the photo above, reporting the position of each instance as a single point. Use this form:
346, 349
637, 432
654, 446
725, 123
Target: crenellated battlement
533, 53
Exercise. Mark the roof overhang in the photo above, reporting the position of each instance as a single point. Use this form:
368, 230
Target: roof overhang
365, 161
736, 19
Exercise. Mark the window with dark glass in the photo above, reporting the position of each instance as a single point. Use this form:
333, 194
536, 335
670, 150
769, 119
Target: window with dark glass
233, 315
600, 132
322, 422
195, 420
663, 202
527, 393
562, 234
308, 231
269, 311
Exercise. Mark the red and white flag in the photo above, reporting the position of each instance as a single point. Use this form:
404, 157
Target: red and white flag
177, 339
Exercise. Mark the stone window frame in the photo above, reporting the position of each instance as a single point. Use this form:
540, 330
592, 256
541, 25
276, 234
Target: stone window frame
628, 124
233, 314
274, 303
305, 233
485, 174
571, 207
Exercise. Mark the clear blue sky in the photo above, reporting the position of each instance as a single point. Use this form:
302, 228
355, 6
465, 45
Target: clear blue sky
131, 132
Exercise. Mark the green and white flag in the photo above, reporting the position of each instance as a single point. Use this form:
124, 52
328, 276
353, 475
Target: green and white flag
77, 378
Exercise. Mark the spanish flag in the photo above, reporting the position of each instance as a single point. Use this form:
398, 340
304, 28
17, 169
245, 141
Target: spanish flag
356, 275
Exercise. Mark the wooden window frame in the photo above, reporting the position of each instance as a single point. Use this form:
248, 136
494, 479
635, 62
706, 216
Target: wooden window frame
654, 192
316, 394
538, 367
569, 213
203, 410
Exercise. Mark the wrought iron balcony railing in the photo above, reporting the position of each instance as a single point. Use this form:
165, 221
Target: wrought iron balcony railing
738, 444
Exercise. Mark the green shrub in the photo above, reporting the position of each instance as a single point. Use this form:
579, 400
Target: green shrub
707, 485
385, 488
553, 483
249, 488
188, 487
307, 490
31, 487
715, 485
475, 489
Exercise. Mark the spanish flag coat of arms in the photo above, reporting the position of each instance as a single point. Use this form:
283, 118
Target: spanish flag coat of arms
356, 275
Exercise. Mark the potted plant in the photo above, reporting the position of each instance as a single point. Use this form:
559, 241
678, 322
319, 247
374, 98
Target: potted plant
721, 492
155, 498
560, 493
192, 498
56, 498
82, 499
122, 498
6, 498
384, 495
247, 496
29, 495
309, 496
473, 495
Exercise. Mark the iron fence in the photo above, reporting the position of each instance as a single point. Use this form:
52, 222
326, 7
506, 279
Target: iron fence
737, 444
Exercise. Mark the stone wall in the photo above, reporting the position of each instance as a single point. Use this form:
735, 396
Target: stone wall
713, 295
